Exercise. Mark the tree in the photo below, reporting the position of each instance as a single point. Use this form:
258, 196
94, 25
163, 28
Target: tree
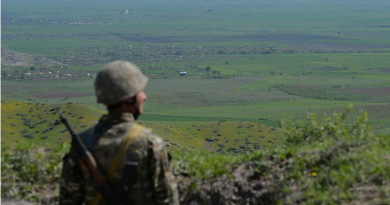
281, 73
208, 68
272, 72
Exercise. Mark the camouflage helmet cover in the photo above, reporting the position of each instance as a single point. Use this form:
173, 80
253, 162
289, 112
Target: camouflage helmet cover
118, 81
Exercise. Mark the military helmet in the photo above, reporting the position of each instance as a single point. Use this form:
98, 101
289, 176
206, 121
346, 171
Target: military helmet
118, 81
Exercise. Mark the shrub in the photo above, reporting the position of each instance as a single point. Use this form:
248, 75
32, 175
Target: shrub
321, 162
29, 136
31, 173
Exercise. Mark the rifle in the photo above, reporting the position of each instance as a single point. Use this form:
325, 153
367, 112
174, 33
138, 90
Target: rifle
107, 192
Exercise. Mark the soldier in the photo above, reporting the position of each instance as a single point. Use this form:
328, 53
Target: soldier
119, 85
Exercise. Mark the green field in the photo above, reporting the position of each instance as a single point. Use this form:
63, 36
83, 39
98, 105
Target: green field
266, 59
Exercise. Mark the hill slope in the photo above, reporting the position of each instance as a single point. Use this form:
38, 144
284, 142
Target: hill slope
321, 163
222, 136
27, 122
14, 58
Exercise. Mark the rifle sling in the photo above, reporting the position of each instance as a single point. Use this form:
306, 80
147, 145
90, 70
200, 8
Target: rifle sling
130, 137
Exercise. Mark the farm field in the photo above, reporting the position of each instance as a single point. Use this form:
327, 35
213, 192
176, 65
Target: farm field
246, 62
249, 98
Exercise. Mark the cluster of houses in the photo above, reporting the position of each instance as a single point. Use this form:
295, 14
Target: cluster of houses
9, 74
55, 74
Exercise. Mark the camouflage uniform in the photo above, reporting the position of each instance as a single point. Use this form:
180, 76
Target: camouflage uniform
154, 184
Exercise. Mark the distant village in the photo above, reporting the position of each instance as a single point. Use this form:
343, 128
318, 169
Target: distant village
18, 74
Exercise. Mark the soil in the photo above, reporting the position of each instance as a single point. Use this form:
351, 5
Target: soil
254, 183
245, 188
333, 46
370, 91
385, 70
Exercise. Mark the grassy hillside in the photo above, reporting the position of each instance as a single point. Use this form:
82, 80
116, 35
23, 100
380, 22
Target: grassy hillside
30, 122
222, 136
321, 162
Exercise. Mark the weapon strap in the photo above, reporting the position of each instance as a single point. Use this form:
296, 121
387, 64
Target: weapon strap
130, 137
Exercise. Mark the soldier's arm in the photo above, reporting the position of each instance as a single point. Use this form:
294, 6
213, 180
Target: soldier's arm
72, 182
165, 186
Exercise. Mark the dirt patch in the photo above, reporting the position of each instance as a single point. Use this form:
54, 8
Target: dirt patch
256, 182
323, 68
207, 146
383, 70
179, 99
332, 46
370, 91
214, 38
63, 95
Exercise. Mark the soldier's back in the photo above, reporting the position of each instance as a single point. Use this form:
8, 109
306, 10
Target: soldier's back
153, 181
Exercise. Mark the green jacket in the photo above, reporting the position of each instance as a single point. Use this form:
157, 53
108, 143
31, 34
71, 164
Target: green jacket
155, 182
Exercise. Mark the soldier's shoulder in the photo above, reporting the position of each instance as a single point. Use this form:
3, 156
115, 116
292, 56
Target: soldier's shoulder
152, 137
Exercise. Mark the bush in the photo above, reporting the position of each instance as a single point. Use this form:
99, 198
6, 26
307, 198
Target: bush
321, 162
29, 136
31, 173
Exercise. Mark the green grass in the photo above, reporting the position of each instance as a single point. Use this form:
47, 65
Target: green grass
319, 158
255, 111
247, 98
222, 136
30, 122
334, 23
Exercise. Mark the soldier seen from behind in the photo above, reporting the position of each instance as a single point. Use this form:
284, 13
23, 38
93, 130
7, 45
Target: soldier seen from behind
141, 173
